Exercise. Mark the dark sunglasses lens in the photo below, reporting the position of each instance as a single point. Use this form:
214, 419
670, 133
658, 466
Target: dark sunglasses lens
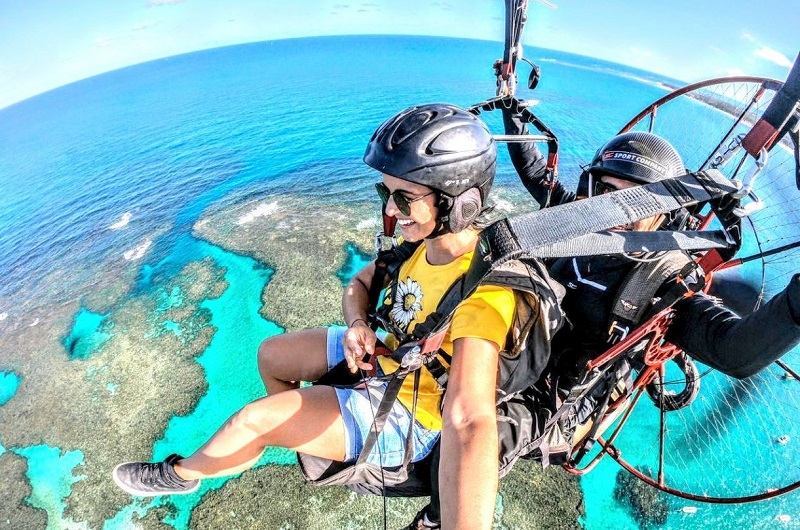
402, 203
383, 192
399, 199
601, 188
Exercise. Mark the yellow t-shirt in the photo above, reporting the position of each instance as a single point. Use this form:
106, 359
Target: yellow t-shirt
487, 314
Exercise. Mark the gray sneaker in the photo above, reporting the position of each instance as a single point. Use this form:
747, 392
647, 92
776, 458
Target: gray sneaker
150, 479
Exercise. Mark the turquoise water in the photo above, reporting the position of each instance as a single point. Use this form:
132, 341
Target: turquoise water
51, 474
86, 334
162, 142
356, 260
9, 382
229, 363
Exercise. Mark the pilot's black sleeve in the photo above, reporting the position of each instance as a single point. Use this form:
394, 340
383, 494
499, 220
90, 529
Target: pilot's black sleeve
739, 347
531, 164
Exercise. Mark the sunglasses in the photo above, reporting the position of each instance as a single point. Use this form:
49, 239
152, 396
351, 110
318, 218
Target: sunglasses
403, 203
601, 188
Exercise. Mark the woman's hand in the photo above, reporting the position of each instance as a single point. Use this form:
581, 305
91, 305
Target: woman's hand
359, 340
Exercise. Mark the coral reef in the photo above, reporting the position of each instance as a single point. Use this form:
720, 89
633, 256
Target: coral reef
276, 497
14, 489
117, 402
647, 505
535, 498
303, 240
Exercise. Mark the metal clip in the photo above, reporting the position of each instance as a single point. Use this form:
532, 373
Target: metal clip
506, 78
751, 207
616, 333
746, 189
750, 178
731, 149
384, 243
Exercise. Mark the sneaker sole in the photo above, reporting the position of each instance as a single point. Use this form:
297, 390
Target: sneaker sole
139, 493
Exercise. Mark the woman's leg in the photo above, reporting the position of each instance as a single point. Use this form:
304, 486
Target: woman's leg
285, 360
307, 420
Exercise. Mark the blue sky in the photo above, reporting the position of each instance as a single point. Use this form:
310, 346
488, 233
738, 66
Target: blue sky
48, 43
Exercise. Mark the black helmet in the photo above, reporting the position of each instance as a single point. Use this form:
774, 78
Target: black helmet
640, 157
439, 146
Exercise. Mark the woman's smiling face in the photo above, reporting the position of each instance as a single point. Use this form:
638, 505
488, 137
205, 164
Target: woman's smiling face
421, 220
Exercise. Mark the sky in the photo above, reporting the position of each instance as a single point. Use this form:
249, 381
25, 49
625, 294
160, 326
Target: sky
48, 43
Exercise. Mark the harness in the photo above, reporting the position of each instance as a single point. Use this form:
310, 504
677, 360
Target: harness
507, 255
536, 318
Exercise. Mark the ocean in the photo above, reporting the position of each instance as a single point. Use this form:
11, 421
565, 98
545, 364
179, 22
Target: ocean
122, 332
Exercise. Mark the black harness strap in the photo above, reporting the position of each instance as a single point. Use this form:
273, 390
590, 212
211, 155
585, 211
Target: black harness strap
792, 129
382, 414
386, 265
765, 133
636, 294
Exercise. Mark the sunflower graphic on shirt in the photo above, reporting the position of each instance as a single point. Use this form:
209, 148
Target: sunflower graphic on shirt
407, 301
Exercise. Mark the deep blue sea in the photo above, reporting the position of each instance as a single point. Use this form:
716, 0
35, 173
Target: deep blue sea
111, 172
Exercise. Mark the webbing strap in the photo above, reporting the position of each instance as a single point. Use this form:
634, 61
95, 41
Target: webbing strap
386, 266
619, 242
567, 221
579, 229
382, 414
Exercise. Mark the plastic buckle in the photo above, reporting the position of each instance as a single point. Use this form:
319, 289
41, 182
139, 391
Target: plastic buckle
412, 360
617, 333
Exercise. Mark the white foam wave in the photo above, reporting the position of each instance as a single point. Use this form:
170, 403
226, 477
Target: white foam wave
367, 223
3, 316
262, 210
123, 221
138, 251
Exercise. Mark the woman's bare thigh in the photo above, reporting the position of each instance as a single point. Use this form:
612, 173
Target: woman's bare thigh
295, 356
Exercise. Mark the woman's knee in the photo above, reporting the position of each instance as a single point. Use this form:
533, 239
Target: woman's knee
267, 352
253, 417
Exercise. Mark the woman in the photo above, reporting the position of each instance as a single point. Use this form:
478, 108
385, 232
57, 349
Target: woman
438, 164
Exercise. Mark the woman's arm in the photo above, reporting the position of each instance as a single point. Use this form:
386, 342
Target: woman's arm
355, 300
468, 470
359, 339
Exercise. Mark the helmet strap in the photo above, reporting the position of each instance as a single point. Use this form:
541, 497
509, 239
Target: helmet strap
444, 205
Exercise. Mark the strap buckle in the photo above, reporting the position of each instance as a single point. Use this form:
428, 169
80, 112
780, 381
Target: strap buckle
617, 332
389, 326
412, 359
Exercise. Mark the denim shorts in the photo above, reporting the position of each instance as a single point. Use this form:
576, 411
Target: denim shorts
358, 409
